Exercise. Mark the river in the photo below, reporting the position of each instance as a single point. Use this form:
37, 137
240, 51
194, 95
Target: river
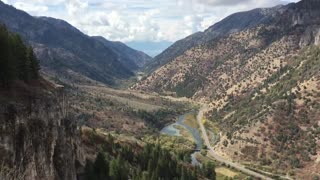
172, 131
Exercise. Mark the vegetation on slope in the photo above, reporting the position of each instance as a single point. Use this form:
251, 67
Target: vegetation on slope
150, 161
17, 60
284, 112
265, 100
37, 136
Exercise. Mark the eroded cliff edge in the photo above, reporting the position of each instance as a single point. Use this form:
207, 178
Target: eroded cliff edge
38, 139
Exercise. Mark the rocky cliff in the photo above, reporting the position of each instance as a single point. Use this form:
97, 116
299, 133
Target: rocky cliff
37, 137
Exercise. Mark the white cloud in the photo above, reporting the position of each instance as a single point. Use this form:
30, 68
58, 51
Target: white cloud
38, 2
75, 7
208, 21
140, 20
120, 27
94, 19
31, 8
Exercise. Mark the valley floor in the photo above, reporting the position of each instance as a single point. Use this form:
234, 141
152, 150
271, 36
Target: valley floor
141, 116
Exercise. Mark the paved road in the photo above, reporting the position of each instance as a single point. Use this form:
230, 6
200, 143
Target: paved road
220, 158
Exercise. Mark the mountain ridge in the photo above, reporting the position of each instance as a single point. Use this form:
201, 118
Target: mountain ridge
262, 87
63, 49
231, 24
137, 59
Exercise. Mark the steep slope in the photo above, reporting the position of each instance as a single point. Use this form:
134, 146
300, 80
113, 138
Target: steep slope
38, 140
277, 124
64, 50
128, 56
215, 69
231, 24
37, 137
255, 85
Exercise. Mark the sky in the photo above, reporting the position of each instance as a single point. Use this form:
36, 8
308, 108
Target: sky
148, 21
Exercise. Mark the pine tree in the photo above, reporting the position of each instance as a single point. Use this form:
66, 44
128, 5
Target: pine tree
16, 60
101, 167
4, 57
209, 170
118, 169
89, 171
113, 171
34, 64
20, 52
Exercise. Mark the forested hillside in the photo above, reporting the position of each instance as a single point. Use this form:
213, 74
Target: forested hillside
17, 60
118, 161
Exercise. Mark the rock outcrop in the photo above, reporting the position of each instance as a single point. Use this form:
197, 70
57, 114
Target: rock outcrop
38, 140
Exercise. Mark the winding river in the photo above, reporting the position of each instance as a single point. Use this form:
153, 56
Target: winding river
173, 131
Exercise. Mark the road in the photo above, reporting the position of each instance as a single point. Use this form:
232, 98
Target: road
220, 158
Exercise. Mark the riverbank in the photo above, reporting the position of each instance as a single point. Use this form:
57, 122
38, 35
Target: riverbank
175, 130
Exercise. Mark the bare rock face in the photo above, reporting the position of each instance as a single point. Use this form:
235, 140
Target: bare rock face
306, 14
37, 138
310, 37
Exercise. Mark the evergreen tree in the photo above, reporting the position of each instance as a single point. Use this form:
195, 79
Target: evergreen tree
20, 52
5, 75
118, 169
16, 60
101, 167
208, 170
34, 64
89, 171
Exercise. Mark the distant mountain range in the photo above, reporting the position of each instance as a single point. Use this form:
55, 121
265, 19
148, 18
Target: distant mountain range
65, 51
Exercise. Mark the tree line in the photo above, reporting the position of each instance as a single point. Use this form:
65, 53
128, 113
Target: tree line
17, 60
118, 162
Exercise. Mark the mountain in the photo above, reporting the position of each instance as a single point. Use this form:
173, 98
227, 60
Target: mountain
231, 57
262, 84
42, 137
132, 58
231, 24
65, 51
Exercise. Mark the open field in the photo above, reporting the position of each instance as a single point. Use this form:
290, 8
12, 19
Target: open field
223, 172
123, 111
226, 172
191, 121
